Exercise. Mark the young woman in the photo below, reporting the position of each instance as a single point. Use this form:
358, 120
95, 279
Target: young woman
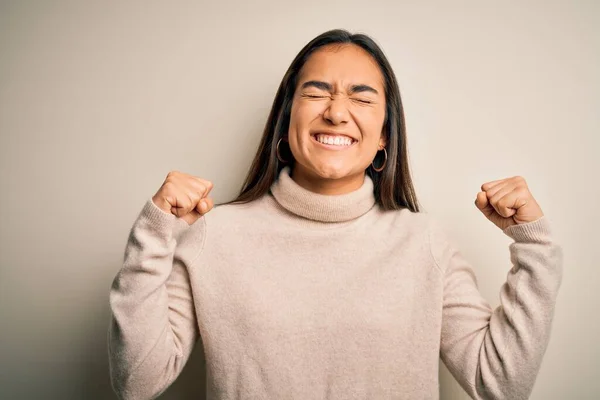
323, 280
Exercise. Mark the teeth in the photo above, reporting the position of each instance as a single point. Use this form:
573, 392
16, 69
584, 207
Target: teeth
334, 140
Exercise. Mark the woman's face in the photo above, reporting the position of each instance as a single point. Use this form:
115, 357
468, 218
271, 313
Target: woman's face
337, 116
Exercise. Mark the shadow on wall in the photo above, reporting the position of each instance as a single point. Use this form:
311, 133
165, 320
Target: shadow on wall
95, 378
191, 384
449, 388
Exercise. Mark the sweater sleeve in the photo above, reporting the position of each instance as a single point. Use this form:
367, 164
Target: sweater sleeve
153, 325
496, 354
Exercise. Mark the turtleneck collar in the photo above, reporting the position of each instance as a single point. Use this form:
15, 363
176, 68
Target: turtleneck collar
320, 207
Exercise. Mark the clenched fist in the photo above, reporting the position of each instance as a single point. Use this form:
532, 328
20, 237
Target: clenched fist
508, 202
184, 196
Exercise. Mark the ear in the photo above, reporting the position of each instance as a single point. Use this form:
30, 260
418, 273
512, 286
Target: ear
382, 141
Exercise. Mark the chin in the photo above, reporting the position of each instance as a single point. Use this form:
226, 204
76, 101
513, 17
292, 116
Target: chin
329, 171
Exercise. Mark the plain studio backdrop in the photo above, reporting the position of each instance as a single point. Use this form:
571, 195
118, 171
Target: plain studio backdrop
100, 100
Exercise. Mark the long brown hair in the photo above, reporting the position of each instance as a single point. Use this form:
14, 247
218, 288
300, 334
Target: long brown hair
393, 187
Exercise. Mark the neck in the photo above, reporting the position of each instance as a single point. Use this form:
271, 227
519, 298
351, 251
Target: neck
321, 207
320, 185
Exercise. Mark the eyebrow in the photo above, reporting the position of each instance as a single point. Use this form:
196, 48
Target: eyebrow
327, 86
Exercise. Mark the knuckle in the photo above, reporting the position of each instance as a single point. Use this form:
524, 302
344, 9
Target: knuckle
194, 198
168, 187
524, 191
185, 202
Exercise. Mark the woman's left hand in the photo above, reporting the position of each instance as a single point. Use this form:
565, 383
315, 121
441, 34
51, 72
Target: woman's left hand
508, 202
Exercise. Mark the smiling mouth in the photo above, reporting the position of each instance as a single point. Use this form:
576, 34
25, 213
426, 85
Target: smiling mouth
334, 141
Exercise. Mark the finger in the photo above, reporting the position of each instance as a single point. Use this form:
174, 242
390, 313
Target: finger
488, 185
210, 204
185, 201
209, 185
482, 203
204, 206
194, 197
179, 201
513, 201
169, 194
203, 185
502, 185
181, 209
504, 201
202, 189
481, 200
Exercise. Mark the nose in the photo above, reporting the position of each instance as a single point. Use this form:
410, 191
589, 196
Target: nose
337, 111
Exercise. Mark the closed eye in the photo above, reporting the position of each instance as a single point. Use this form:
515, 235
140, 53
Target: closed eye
363, 101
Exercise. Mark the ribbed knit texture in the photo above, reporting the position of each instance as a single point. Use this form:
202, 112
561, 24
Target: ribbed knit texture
304, 296
319, 207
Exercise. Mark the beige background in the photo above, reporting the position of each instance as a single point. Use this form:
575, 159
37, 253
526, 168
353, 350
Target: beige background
99, 100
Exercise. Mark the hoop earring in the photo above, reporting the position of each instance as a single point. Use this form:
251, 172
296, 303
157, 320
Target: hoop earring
277, 152
384, 162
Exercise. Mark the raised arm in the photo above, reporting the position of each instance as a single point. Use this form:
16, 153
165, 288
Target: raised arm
153, 326
496, 354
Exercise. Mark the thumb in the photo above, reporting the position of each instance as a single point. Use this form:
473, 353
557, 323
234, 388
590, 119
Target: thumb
483, 204
481, 201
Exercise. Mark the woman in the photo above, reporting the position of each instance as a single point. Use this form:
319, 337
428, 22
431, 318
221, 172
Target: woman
322, 280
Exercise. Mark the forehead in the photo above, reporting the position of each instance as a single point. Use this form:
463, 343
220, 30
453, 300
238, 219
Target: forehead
347, 64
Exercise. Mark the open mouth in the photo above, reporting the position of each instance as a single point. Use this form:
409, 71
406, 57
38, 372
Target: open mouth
334, 141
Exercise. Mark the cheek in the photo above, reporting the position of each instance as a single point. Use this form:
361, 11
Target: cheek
303, 113
370, 122
299, 123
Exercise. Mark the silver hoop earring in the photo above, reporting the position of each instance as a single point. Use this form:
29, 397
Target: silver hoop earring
384, 162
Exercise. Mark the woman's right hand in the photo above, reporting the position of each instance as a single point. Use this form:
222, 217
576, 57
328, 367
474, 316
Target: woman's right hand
184, 196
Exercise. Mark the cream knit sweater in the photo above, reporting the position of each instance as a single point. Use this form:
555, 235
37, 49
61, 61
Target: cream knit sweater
305, 296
